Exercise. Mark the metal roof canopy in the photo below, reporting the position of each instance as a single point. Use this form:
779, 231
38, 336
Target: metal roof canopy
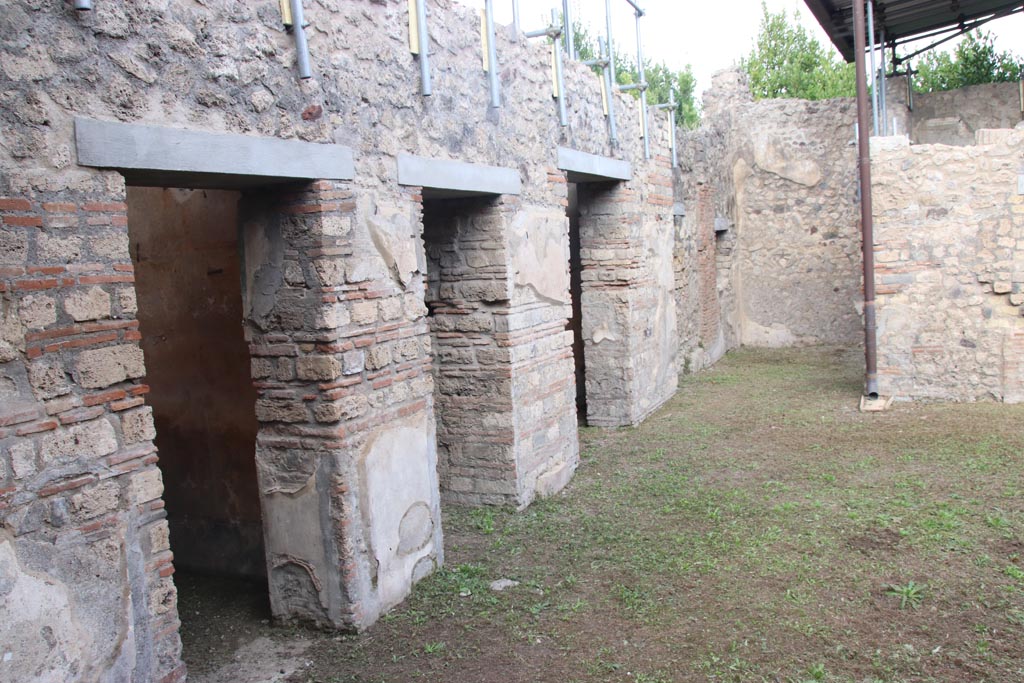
906, 20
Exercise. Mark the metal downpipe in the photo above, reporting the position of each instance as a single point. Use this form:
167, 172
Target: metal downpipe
866, 220
83, 5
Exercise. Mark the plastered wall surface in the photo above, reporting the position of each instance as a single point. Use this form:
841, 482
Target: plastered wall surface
949, 221
333, 300
951, 117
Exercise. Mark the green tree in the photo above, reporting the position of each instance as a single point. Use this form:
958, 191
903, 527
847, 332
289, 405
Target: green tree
660, 78
974, 61
787, 62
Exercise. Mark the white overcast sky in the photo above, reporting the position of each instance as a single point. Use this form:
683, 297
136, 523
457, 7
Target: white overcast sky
707, 35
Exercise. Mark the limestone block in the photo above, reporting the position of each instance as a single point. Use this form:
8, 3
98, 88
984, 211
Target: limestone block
48, 378
88, 304
378, 356
162, 596
331, 316
329, 272
159, 537
317, 368
347, 408
280, 410
56, 249
364, 312
127, 301
137, 425
145, 486
98, 368
353, 362
23, 459
88, 440
96, 500
12, 334
111, 245
37, 311
13, 247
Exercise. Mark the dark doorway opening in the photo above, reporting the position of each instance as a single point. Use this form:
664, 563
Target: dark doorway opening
576, 293
184, 247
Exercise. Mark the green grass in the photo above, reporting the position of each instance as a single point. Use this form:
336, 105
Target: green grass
757, 528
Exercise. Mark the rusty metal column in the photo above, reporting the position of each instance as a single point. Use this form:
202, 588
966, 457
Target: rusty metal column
866, 220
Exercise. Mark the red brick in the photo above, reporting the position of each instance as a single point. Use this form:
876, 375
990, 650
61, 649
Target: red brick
15, 204
127, 403
104, 397
36, 427
105, 206
124, 267
80, 415
84, 341
35, 285
105, 279
139, 390
119, 220
46, 270
67, 485
23, 221
58, 207
18, 416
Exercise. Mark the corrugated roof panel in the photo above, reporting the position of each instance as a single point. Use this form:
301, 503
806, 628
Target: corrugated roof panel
905, 20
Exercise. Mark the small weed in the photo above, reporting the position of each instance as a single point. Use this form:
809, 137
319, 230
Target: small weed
1014, 572
817, 672
482, 520
434, 648
910, 595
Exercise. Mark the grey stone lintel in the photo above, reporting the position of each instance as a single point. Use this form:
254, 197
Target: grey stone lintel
442, 178
581, 167
154, 155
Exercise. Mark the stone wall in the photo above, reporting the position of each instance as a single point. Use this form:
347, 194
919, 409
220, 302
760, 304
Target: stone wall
949, 231
775, 182
952, 117
334, 302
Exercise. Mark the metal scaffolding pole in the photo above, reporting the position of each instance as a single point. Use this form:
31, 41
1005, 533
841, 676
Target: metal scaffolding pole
671, 105
570, 47
492, 54
882, 108
643, 85
423, 44
874, 71
563, 114
610, 77
515, 17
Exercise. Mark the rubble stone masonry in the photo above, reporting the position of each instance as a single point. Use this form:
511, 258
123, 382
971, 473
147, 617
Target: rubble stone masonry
354, 380
949, 239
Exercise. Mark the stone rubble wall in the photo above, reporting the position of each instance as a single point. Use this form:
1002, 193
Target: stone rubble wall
952, 117
335, 281
949, 239
771, 192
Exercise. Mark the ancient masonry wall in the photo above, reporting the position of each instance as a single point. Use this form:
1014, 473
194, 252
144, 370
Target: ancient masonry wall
334, 300
776, 181
949, 231
954, 116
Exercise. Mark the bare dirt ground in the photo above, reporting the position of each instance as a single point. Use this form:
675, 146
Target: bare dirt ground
757, 528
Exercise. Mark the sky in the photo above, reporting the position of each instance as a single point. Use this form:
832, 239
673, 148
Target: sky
709, 36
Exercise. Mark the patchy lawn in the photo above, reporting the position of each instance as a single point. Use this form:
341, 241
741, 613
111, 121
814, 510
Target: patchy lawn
756, 528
